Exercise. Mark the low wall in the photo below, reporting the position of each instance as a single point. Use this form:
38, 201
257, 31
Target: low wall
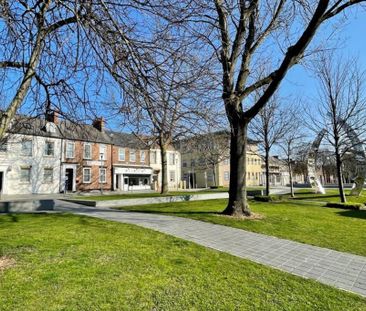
157, 200
26, 206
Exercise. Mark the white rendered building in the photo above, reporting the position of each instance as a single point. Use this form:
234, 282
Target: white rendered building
174, 168
30, 159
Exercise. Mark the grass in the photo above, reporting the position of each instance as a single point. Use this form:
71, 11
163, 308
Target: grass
331, 195
66, 262
310, 223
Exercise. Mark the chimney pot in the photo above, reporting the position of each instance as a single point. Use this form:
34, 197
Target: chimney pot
98, 123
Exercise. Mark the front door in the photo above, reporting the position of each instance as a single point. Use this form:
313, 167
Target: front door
125, 183
69, 179
1, 181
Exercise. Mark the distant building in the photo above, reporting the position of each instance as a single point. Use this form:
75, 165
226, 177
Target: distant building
206, 163
173, 168
131, 169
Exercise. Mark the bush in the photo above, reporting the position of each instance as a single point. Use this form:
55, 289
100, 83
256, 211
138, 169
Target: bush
268, 198
354, 206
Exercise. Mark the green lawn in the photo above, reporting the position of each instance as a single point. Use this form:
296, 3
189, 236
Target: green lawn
342, 230
66, 262
331, 195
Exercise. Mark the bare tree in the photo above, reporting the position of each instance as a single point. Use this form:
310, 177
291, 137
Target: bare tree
291, 143
246, 37
167, 93
269, 127
341, 112
44, 58
211, 148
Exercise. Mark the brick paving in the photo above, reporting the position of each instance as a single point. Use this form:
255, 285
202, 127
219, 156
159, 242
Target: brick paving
342, 270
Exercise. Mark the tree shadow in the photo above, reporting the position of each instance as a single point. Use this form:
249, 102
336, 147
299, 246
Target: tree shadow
354, 214
314, 197
174, 212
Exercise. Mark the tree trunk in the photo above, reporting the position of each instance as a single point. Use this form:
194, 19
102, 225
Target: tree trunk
164, 169
291, 179
9, 114
238, 203
340, 177
214, 174
266, 160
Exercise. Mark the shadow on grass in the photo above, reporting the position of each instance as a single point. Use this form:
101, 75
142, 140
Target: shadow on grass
314, 197
172, 212
354, 214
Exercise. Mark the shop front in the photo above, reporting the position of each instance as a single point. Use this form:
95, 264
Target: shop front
132, 178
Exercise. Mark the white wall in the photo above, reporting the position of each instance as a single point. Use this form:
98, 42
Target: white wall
172, 185
12, 161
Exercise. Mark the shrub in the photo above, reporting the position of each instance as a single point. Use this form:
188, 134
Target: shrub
354, 206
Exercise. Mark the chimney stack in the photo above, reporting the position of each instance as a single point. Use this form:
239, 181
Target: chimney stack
52, 116
98, 123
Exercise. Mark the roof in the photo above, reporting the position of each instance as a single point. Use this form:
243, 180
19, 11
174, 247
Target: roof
126, 140
64, 129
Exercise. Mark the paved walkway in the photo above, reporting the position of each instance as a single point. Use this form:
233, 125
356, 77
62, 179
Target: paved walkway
342, 270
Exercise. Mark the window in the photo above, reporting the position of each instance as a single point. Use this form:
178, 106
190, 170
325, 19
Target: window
121, 154
102, 152
102, 175
132, 155
48, 175
153, 157
226, 161
70, 150
49, 148
27, 148
142, 156
193, 163
87, 151
171, 159
172, 176
25, 173
3, 146
226, 176
87, 175
184, 164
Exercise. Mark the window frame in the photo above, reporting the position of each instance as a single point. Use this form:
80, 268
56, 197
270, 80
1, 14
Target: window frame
70, 143
47, 142
226, 175
142, 156
103, 148
105, 175
89, 145
90, 175
48, 169
121, 151
29, 169
133, 151
31, 148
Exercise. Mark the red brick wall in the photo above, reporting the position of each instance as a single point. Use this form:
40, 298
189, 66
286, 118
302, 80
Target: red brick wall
92, 163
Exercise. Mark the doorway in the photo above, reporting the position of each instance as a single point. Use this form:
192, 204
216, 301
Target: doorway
126, 183
69, 179
1, 182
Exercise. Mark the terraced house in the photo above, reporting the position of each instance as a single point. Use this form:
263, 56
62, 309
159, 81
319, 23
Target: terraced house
41, 156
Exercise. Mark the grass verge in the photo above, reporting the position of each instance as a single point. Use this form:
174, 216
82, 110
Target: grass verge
65, 262
310, 223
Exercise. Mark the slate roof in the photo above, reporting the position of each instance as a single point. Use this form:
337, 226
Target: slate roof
126, 140
64, 129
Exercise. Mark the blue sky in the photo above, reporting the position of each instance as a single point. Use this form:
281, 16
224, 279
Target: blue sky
353, 44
